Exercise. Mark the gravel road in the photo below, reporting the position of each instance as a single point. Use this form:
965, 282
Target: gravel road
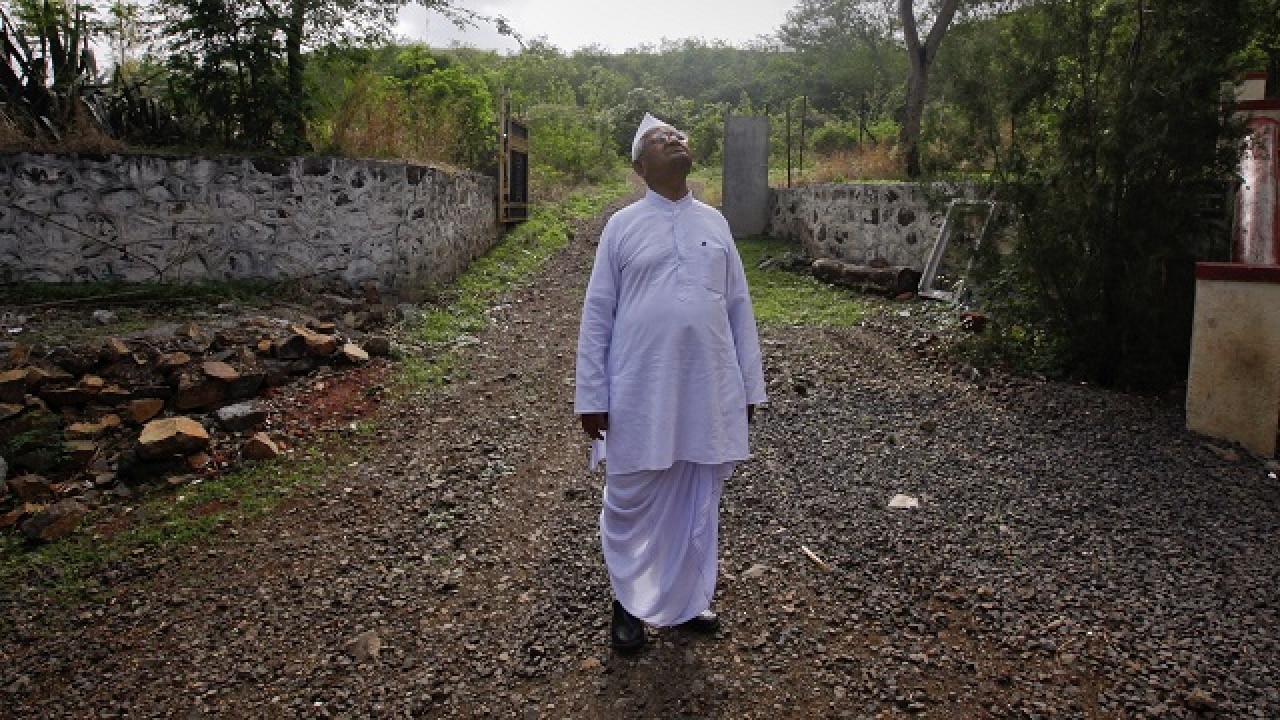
1074, 553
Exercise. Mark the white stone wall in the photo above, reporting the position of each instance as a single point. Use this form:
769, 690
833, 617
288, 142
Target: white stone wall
136, 218
866, 223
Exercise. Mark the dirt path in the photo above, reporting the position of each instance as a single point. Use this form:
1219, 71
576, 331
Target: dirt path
1071, 558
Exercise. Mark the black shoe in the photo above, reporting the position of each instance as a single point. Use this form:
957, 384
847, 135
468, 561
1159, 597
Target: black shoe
704, 622
626, 632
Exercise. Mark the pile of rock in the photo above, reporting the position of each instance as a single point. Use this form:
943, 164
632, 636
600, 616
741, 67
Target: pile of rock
79, 423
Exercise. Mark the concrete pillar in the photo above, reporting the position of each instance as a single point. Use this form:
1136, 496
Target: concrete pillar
1233, 383
745, 201
1257, 238
1258, 201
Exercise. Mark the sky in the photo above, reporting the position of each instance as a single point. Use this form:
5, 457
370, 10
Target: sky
616, 25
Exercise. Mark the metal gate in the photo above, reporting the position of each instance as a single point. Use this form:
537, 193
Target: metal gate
513, 167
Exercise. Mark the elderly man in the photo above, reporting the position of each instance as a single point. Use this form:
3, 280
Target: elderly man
668, 368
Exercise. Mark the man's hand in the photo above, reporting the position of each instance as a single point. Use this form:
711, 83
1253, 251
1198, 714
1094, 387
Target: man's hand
594, 424
751, 413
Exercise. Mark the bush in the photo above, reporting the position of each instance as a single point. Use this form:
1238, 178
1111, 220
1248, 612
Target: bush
874, 162
569, 146
442, 117
1115, 174
835, 138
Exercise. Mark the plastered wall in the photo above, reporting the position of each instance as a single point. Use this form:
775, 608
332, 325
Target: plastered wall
1233, 382
866, 223
136, 218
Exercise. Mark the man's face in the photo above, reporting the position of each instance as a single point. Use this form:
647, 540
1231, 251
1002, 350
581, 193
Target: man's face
666, 150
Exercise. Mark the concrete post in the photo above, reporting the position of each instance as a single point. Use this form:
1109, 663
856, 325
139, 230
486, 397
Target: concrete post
745, 201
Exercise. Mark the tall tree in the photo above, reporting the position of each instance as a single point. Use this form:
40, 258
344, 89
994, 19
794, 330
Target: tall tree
245, 43
320, 20
223, 61
847, 55
1122, 152
921, 55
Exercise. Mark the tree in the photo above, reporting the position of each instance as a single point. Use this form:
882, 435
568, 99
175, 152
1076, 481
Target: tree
48, 66
921, 56
1263, 49
847, 57
539, 74
225, 70
1123, 148
127, 33
252, 53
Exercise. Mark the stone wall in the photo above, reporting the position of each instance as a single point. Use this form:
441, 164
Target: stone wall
136, 218
866, 224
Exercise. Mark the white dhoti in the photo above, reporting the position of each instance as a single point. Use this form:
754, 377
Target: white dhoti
659, 530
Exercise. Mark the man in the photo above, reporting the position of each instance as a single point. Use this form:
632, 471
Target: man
668, 367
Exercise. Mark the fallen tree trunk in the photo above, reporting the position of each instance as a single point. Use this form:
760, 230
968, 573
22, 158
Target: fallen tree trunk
891, 280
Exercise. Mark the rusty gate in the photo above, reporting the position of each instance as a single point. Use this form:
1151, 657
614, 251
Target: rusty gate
513, 167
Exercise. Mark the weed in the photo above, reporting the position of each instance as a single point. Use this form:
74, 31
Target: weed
874, 163
34, 442
67, 569
34, 294
463, 309
780, 297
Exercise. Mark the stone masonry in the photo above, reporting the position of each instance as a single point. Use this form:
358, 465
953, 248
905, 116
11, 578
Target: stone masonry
866, 224
139, 218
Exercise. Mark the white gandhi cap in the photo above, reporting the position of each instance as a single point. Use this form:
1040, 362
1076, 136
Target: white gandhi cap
648, 123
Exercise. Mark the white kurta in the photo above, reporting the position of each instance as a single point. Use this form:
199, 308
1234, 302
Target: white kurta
668, 348
668, 344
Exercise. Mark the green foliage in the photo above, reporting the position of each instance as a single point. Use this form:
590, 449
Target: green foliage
227, 71
836, 137
848, 59
452, 98
48, 67
131, 110
401, 102
569, 147
1262, 30
1117, 156
780, 297
539, 75
1019, 335
238, 66
34, 443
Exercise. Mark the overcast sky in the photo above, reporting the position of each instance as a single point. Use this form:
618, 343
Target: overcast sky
618, 26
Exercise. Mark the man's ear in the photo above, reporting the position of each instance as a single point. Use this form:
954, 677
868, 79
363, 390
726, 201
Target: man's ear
638, 167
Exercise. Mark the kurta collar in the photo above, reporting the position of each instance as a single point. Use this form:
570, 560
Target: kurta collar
663, 203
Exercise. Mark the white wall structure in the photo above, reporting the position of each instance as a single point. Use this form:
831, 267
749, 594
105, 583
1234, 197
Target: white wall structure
866, 224
140, 218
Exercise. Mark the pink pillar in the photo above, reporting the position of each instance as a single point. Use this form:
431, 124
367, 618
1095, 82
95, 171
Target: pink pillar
1257, 209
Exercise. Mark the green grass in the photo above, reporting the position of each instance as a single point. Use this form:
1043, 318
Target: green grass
711, 180
781, 297
463, 308
160, 520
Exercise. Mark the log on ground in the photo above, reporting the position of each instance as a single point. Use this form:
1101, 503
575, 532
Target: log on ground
890, 280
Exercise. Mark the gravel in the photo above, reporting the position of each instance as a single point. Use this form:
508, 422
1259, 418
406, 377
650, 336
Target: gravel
1072, 553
